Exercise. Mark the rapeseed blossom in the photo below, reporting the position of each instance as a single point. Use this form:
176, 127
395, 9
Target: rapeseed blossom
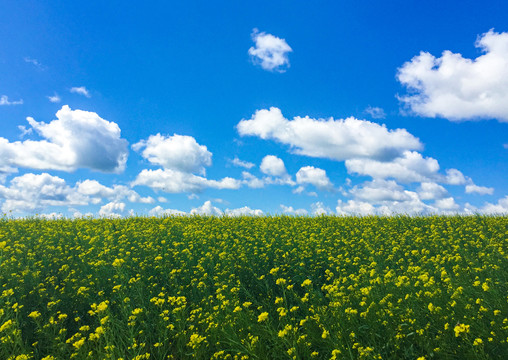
246, 288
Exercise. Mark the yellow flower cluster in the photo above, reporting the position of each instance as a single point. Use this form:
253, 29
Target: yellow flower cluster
254, 288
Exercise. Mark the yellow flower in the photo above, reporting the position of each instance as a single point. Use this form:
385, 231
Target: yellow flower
460, 328
280, 281
263, 316
477, 342
325, 334
34, 315
78, 344
306, 282
102, 306
6, 325
118, 262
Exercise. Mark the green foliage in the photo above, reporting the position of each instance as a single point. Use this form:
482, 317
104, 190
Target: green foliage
254, 288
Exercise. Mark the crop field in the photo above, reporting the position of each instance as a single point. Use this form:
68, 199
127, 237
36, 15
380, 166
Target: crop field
254, 288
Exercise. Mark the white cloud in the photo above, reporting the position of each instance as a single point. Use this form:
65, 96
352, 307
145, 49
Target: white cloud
81, 90
411, 166
24, 131
273, 166
353, 207
314, 176
4, 100
482, 190
446, 204
331, 139
77, 139
458, 88
55, 98
318, 208
386, 197
412, 205
375, 112
240, 163
206, 209
244, 211
33, 193
292, 211
162, 199
98, 191
454, 177
252, 181
379, 191
159, 211
431, 190
6, 171
300, 189
34, 62
270, 52
112, 210
500, 208
174, 181
177, 152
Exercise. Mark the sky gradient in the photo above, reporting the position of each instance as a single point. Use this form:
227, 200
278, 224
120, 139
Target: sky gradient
109, 109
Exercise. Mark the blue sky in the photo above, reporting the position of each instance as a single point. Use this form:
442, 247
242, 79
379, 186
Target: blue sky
227, 107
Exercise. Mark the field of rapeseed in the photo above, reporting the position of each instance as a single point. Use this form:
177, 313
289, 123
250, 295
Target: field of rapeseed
254, 288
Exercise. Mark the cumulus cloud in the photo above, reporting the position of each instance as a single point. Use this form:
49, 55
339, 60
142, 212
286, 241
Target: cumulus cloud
240, 163
330, 139
446, 204
386, 197
481, 190
501, 207
454, 177
97, 192
177, 152
55, 98
77, 139
252, 181
273, 166
431, 190
353, 207
314, 176
81, 90
318, 208
180, 157
4, 100
292, 211
411, 206
244, 211
459, 88
160, 211
174, 181
112, 210
32, 193
375, 112
379, 191
206, 209
270, 52
411, 166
